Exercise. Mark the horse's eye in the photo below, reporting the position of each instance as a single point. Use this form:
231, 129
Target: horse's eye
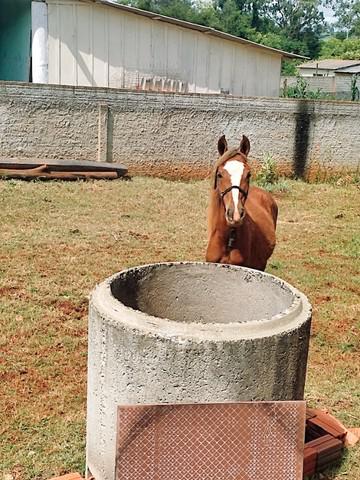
219, 175
249, 176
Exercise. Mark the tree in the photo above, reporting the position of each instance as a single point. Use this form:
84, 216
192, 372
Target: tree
253, 10
300, 21
182, 9
347, 13
289, 67
296, 17
234, 20
293, 25
348, 49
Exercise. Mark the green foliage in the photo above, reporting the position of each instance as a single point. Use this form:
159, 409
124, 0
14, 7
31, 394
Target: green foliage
347, 347
282, 185
268, 176
348, 49
234, 21
182, 9
289, 68
268, 172
301, 22
355, 93
282, 42
347, 13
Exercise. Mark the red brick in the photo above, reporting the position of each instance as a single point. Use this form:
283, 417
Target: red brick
332, 445
319, 441
317, 423
329, 423
310, 413
309, 452
309, 472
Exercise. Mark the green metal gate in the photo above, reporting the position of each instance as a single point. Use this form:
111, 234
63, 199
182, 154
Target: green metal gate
15, 40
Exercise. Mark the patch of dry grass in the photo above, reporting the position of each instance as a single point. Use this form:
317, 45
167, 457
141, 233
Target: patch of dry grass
59, 239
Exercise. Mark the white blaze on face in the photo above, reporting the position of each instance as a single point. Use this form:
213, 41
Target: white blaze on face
235, 170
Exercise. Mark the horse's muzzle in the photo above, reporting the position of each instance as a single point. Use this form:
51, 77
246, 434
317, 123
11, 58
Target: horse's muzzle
234, 217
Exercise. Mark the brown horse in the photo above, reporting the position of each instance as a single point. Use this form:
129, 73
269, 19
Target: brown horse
241, 218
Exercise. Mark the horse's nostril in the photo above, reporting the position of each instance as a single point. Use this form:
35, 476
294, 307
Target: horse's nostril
230, 213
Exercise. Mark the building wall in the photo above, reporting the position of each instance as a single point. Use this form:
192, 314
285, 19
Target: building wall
343, 85
309, 72
97, 45
173, 134
326, 84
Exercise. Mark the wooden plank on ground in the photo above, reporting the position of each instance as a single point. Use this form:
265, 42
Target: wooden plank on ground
63, 165
69, 476
44, 172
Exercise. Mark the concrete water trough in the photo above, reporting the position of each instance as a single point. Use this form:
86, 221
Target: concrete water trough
190, 333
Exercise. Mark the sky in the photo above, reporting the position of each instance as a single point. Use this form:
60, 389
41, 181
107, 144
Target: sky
329, 14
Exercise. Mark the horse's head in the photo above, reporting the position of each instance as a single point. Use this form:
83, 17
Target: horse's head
232, 178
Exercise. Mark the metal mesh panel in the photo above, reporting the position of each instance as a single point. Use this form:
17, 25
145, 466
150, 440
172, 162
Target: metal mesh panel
243, 441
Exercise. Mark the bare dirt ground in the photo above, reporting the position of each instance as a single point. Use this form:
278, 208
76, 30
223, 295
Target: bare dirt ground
59, 239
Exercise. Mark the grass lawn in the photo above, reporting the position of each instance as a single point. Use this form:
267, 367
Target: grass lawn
59, 239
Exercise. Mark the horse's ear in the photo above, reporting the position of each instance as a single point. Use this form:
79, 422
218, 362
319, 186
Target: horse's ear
222, 145
244, 146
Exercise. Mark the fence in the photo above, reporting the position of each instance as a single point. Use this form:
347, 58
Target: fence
172, 133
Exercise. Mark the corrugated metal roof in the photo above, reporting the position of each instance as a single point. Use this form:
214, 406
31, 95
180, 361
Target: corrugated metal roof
195, 26
353, 69
330, 64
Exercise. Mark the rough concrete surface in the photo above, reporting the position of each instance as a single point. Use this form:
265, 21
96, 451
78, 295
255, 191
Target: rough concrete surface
173, 134
190, 333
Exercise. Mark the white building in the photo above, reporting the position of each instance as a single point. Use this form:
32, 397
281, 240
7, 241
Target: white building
333, 76
105, 44
328, 67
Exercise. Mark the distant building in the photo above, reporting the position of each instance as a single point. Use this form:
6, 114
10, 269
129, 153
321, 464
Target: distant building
328, 68
105, 44
333, 77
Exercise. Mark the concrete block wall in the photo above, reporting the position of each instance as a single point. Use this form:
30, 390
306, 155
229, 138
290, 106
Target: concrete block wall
173, 134
325, 84
343, 85
338, 86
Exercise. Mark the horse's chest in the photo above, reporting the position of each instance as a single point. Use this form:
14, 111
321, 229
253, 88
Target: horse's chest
236, 258
246, 258
233, 257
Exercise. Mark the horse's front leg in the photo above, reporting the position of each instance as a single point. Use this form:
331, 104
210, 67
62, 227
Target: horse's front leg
216, 249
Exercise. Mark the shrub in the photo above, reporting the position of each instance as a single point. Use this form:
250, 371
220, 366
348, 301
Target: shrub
268, 173
301, 90
355, 93
268, 176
